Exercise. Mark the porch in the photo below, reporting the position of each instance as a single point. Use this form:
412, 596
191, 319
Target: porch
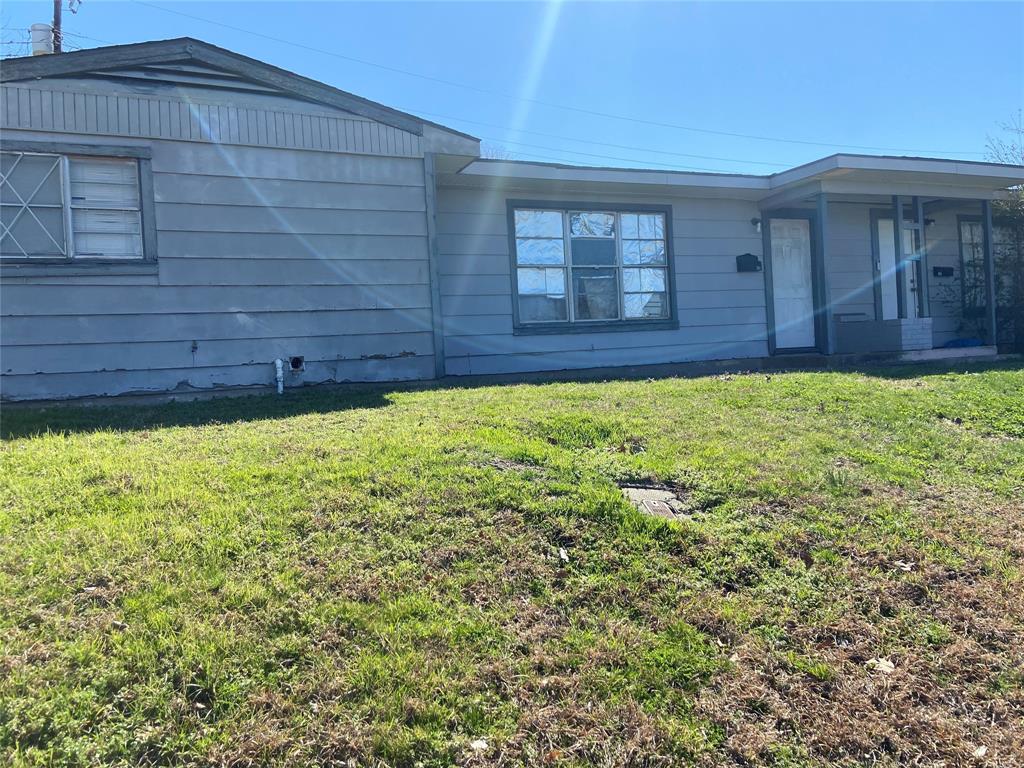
844, 278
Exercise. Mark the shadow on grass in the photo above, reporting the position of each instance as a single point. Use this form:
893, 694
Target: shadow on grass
938, 368
68, 418
25, 421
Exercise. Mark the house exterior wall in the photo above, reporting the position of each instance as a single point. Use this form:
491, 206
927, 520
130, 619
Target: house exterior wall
283, 228
721, 312
849, 260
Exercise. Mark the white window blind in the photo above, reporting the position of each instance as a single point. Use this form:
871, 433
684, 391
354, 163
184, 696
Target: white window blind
106, 220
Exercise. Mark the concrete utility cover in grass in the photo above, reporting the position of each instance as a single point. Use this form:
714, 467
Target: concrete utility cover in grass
655, 501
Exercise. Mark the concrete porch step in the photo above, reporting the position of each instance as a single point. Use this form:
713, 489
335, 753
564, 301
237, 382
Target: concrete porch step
949, 353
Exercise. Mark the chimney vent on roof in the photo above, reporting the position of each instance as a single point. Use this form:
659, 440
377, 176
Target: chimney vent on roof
42, 39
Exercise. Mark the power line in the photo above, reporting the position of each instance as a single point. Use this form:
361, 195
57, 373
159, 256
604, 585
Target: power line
591, 141
87, 37
579, 110
602, 157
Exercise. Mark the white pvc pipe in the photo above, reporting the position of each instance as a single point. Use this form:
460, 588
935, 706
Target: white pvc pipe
279, 375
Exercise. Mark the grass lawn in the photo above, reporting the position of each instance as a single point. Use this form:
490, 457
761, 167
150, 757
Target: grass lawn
452, 576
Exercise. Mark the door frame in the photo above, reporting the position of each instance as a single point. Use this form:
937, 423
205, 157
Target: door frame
902, 290
817, 283
876, 260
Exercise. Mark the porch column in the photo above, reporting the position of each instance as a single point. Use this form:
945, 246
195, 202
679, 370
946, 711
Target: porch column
825, 291
990, 272
901, 283
922, 255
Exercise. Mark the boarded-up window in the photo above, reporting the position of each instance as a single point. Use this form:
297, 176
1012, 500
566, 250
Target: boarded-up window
69, 207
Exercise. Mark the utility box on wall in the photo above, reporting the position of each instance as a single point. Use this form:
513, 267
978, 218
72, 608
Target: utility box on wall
748, 262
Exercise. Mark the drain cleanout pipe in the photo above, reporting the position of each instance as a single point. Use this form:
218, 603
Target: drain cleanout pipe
279, 375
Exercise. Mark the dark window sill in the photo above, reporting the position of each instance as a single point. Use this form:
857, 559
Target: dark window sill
617, 326
80, 268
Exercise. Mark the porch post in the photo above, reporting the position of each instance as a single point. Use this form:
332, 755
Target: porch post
901, 283
824, 291
923, 289
990, 272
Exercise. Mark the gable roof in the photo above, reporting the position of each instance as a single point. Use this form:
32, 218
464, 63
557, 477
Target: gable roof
189, 51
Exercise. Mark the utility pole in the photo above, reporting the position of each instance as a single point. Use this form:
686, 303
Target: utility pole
57, 34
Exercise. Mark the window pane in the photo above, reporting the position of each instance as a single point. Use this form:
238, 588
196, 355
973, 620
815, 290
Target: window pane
35, 179
643, 252
652, 280
536, 309
596, 294
542, 281
32, 231
593, 252
32, 202
972, 277
538, 223
536, 251
652, 226
631, 280
629, 227
585, 224
643, 280
652, 252
646, 305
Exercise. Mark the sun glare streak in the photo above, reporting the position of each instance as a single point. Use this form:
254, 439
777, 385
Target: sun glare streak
346, 274
494, 199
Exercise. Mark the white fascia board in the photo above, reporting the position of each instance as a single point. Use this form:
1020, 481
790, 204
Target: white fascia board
852, 174
905, 170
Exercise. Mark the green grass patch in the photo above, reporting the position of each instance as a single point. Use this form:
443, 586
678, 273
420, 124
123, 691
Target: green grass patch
392, 576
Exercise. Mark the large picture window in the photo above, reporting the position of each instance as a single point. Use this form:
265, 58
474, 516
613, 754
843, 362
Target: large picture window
69, 207
590, 266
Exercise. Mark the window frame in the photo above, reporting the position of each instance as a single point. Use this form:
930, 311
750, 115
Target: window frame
974, 311
570, 325
70, 264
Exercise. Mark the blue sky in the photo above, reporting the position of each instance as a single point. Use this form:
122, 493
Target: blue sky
913, 78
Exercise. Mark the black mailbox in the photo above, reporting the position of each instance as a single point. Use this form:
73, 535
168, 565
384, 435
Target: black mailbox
942, 271
748, 262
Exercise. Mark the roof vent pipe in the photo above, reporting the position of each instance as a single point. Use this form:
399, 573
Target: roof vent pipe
42, 39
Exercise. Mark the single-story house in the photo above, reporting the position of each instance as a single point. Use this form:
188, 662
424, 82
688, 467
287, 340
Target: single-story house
178, 217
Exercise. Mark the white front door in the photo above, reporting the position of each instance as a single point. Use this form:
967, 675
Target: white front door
887, 271
792, 283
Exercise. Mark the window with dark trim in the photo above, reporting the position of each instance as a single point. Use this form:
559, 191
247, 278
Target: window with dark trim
972, 266
591, 267
70, 207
